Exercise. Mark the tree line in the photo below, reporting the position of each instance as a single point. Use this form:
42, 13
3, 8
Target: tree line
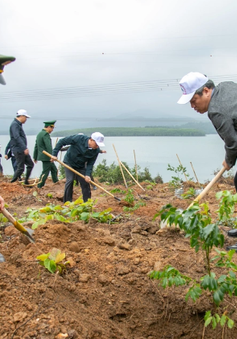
148, 131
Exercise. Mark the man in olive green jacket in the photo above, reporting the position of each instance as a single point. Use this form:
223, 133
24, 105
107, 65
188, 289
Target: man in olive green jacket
43, 143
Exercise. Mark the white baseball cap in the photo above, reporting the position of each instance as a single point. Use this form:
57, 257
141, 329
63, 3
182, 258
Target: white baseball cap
98, 138
189, 84
22, 112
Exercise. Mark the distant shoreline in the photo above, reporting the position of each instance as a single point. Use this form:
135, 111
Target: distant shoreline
134, 131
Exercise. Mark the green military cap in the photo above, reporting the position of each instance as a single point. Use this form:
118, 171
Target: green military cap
4, 60
49, 123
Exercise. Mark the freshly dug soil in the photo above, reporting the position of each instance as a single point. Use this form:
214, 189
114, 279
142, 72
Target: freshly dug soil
106, 292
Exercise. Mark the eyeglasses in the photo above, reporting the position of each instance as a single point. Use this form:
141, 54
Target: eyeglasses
52, 126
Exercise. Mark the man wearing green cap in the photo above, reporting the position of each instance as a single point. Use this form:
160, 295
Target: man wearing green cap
4, 60
43, 143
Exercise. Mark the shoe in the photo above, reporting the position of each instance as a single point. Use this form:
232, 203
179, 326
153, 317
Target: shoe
232, 233
26, 182
14, 180
233, 247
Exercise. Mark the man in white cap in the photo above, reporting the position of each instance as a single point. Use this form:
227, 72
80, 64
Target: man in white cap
81, 156
19, 146
220, 103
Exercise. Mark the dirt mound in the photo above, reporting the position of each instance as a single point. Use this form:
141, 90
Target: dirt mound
106, 292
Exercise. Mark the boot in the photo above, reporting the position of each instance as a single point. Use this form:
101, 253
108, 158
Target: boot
232, 233
233, 247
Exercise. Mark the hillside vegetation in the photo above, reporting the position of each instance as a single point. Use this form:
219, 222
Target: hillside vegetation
134, 131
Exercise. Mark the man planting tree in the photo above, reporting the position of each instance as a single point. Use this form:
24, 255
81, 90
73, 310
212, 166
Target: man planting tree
220, 103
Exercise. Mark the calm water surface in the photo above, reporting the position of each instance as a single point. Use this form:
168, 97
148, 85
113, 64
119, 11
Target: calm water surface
206, 154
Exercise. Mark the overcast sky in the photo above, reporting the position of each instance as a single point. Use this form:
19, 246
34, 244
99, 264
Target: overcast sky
92, 58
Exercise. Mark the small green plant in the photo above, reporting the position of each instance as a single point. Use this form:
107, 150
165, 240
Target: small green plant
50, 195
226, 207
129, 197
54, 261
135, 207
190, 193
150, 184
3, 219
216, 319
117, 190
197, 224
69, 212
176, 180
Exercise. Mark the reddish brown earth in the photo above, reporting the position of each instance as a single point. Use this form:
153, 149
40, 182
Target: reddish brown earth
106, 293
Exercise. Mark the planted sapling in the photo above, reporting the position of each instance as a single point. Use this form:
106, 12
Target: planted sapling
54, 261
197, 224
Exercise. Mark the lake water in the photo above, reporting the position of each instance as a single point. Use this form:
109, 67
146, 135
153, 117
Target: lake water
206, 154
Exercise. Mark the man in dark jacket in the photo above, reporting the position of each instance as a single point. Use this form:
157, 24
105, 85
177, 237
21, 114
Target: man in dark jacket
81, 156
19, 146
43, 143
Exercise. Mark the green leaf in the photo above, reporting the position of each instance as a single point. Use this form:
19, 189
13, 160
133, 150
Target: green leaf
230, 323
58, 208
207, 315
85, 216
214, 323
194, 293
219, 195
221, 279
223, 320
50, 265
49, 217
217, 317
218, 296
38, 223
208, 321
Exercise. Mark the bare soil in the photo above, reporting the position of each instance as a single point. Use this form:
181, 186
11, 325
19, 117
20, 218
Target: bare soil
106, 293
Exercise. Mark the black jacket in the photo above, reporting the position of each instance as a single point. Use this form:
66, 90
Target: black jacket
18, 137
78, 154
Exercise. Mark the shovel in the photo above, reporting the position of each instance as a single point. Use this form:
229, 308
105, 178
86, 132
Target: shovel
81, 175
28, 233
201, 195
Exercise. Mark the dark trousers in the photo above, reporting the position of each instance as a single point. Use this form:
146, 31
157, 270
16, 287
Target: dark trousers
22, 159
85, 187
48, 167
14, 164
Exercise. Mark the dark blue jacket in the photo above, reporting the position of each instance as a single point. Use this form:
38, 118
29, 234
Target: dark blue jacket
78, 153
18, 137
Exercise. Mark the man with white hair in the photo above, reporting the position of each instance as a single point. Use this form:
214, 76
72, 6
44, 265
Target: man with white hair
220, 103
19, 146
81, 156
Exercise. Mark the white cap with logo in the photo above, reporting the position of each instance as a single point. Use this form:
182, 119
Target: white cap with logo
22, 112
98, 138
189, 84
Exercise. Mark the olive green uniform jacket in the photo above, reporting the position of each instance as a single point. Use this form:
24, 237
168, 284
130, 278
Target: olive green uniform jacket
43, 143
